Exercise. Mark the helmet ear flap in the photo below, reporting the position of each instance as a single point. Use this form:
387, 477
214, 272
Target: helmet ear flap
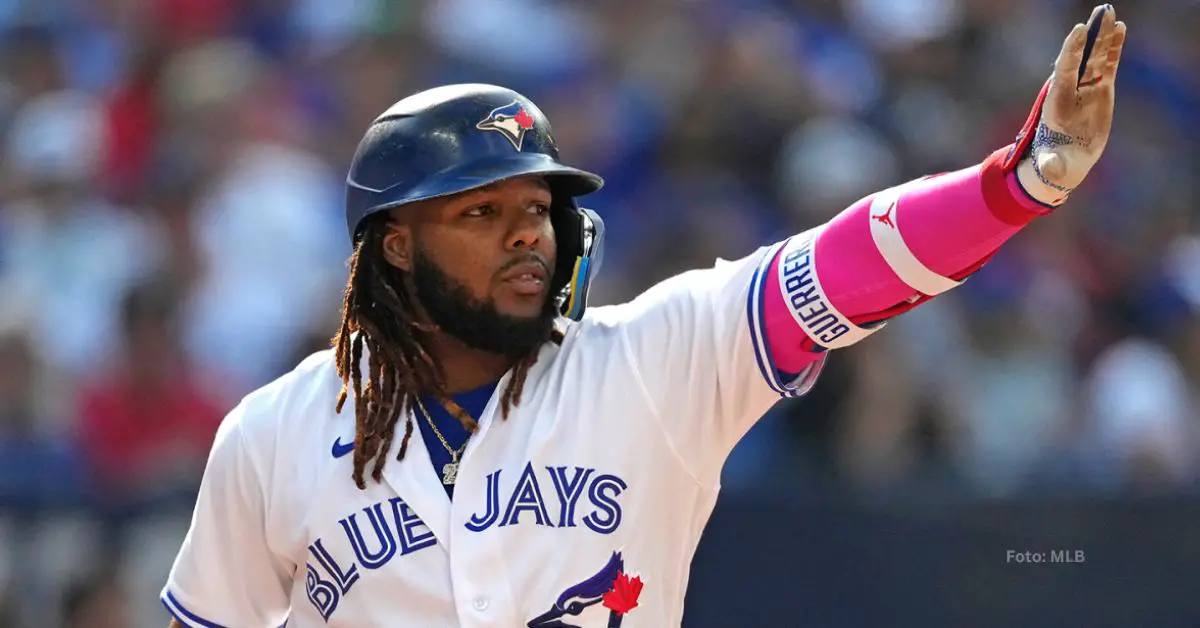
580, 236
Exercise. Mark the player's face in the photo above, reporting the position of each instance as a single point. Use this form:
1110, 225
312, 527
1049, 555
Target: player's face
481, 264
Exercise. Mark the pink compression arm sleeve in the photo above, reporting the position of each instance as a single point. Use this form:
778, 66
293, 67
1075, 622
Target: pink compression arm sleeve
953, 223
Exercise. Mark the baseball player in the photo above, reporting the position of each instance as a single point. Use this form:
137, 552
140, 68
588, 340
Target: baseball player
518, 459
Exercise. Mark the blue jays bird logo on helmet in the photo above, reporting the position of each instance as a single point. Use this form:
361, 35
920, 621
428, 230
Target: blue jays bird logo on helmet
511, 121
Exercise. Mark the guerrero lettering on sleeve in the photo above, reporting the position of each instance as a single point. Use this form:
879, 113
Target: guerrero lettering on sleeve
806, 299
379, 533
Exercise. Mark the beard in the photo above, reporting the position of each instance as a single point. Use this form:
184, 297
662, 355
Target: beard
475, 322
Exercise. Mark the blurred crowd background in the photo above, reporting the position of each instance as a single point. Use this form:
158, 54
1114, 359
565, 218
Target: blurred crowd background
172, 237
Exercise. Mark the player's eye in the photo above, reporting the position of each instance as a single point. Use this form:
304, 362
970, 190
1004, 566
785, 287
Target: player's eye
480, 210
540, 209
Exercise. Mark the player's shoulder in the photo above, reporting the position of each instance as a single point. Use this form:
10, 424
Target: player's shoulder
294, 397
685, 288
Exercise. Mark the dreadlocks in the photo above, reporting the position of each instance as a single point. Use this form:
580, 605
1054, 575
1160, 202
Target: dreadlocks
378, 306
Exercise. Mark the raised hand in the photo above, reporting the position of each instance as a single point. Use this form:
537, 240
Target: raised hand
1077, 114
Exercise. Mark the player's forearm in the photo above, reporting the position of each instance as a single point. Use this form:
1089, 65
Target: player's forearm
887, 253
892, 251
949, 223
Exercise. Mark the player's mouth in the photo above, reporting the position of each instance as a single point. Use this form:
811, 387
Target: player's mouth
527, 278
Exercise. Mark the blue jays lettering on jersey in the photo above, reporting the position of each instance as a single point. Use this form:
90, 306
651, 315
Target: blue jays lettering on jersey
570, 484
395, 531
369, 539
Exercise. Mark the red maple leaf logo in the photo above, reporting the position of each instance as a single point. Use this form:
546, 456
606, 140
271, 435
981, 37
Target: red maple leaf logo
624, 595
524, 119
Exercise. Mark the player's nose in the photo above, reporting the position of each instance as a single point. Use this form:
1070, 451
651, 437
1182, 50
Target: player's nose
525, 233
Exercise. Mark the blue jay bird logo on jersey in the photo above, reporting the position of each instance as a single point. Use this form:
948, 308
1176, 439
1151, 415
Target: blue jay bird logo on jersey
511, 121
610, 586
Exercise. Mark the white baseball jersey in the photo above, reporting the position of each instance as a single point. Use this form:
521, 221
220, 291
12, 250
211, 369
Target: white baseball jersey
583, 508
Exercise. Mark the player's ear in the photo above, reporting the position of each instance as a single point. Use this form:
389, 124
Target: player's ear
397, 245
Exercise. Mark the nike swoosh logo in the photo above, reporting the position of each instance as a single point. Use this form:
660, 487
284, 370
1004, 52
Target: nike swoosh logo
339, 449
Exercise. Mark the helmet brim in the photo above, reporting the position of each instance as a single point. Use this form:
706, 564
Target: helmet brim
564, 180
471, 176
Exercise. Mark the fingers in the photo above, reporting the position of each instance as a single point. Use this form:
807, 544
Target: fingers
1095, 24
1109, 71
1070, 58
1102, 27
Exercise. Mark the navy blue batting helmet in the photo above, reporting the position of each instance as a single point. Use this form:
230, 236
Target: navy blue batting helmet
456, 138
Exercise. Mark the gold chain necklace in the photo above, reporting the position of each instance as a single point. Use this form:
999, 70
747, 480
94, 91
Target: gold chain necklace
450, 469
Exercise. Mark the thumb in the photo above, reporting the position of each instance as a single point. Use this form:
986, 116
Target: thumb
1052, 164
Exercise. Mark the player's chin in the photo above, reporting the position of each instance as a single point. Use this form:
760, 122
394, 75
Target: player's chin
521, 308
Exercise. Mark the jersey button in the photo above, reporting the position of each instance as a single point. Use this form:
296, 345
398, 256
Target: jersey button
480, 603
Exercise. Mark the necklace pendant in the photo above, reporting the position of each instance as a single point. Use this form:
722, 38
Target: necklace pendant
449, 473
